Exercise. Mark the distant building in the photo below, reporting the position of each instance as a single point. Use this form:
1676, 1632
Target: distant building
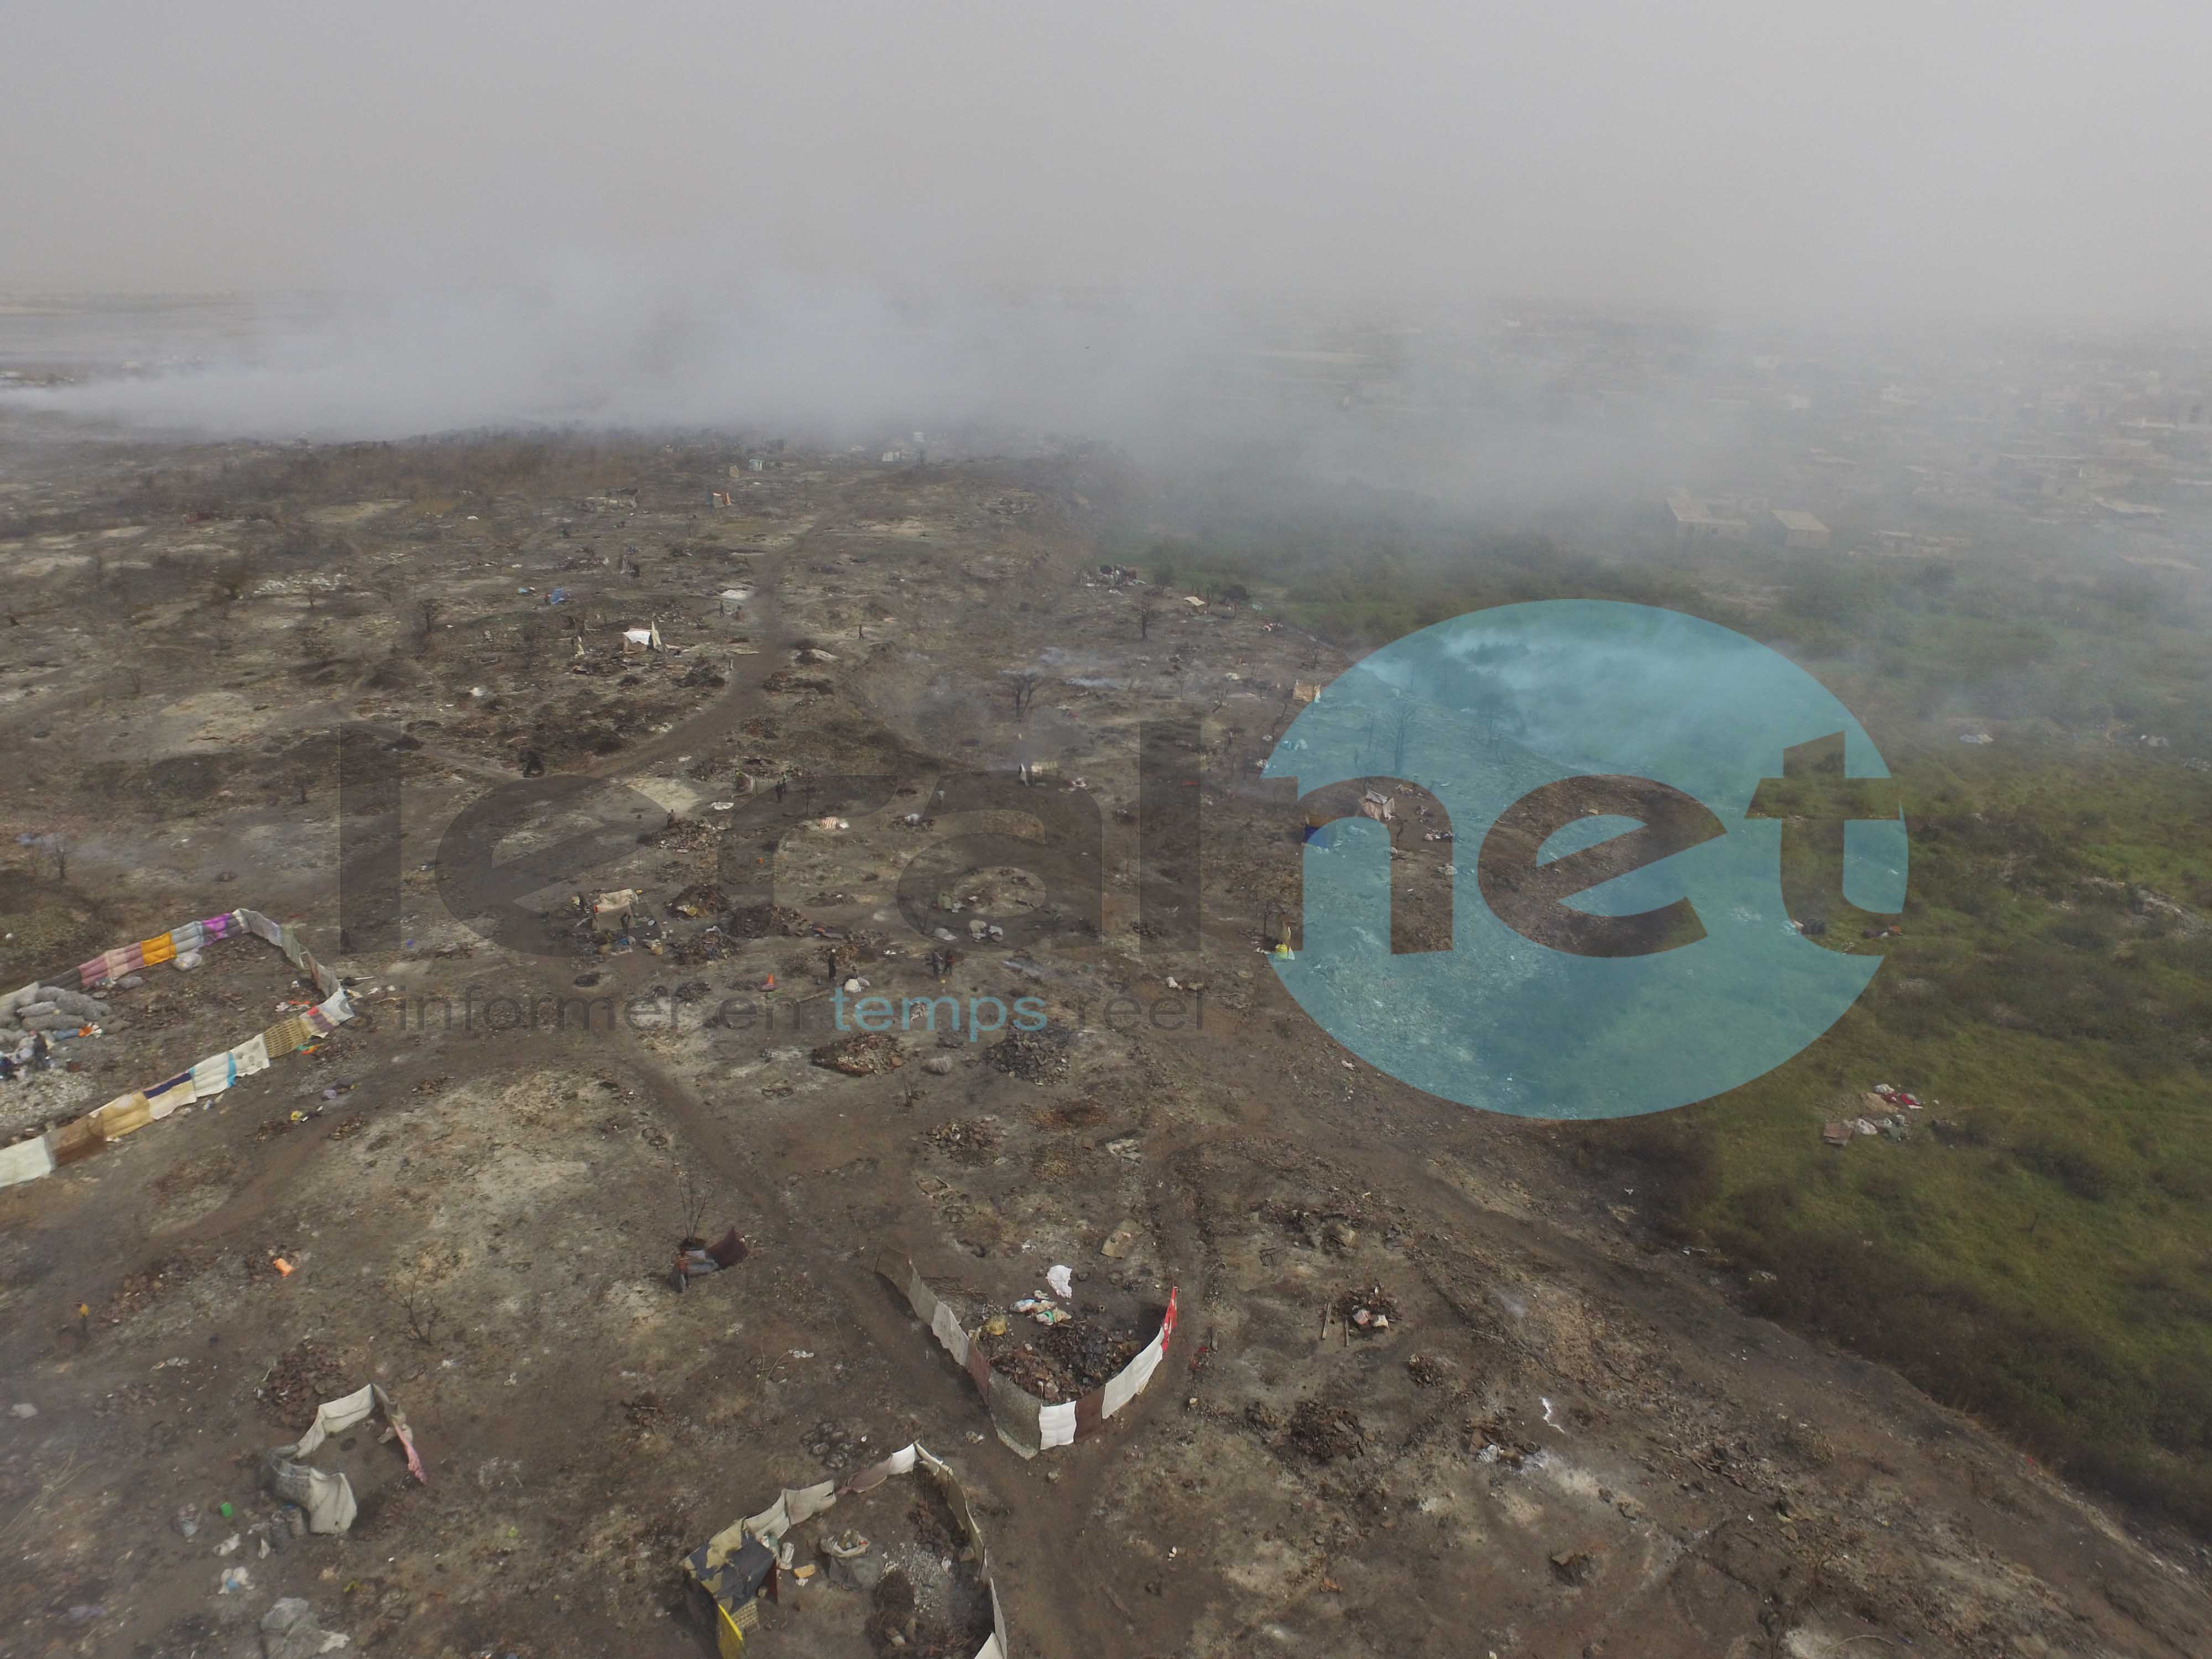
1794, 527
1694, 521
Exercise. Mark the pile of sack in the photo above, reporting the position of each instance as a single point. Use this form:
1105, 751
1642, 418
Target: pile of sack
48, 1008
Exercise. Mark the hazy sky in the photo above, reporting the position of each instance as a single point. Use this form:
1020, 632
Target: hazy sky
1738, 157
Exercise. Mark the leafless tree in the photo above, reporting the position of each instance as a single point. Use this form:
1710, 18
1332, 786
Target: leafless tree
1401, 732
428, 611
1024, 686
1148, 610
232, 576
423, 1317
693, 1198
57, 850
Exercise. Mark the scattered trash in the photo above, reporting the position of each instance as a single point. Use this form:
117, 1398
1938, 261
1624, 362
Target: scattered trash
23, 1408
288, 1630
1119, 1241
229, 1546
235, 1581
187, 1519
283, 1266
186, 961
1062, 1281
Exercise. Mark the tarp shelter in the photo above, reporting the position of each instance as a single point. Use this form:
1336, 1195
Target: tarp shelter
327, 1497
641, 638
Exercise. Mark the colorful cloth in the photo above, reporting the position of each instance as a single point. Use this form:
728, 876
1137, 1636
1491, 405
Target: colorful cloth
217, 927
249, 1057
188, 938
262, 927
118, 963
89, 974
153, 952
213, 1075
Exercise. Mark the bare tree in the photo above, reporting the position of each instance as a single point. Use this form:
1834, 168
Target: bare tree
232, 576
57, 850
423, 1317
1401, 732
1148, 610
1024, 686
428, 611
694, 1199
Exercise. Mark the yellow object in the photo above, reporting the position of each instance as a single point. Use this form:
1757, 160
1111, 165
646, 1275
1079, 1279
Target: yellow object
730, 1641
122, 1115
158, 950
281, 1266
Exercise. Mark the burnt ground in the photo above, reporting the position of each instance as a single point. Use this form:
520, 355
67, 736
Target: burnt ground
1565, 1439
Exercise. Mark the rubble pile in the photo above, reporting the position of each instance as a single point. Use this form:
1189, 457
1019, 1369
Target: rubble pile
1038, 1056
864, 1054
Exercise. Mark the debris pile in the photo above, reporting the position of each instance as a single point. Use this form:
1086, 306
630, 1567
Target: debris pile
1367, 1312
1038, 1056
1324, 1433
864, 1054
1064, 1361
971, 1141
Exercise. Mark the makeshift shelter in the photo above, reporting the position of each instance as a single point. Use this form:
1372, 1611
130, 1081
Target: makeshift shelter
1025, 1424
327, 1498
749, 1558
611, 912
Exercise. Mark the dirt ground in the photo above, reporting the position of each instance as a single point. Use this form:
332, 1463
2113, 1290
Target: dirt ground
1560, 1439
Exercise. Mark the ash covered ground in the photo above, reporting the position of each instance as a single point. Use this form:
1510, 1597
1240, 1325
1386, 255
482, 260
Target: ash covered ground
1560, 1437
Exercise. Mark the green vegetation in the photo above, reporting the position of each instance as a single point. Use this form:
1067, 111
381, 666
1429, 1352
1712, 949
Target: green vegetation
2037, 1251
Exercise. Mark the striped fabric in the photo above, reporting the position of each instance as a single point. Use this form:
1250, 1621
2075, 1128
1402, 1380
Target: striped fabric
186, 938
154, 952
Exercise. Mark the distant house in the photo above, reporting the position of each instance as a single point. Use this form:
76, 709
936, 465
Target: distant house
1695, 520
1794, 527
